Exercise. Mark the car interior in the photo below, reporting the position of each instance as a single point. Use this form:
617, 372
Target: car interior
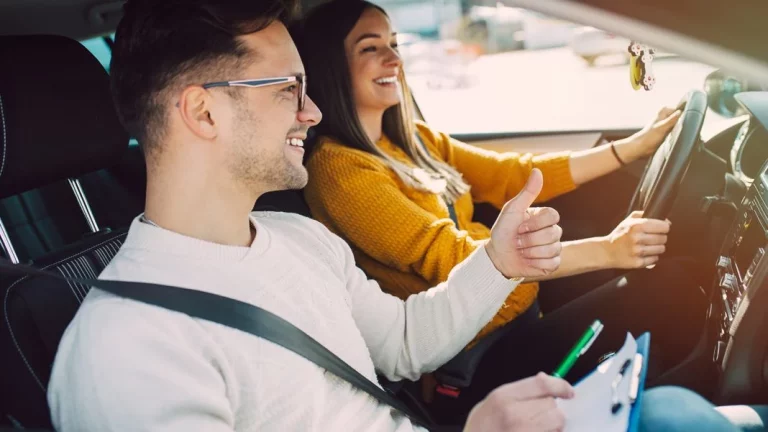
72, 180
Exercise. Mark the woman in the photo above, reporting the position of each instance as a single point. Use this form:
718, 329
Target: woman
402, 194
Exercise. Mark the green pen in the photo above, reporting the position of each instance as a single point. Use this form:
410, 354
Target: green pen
579, 349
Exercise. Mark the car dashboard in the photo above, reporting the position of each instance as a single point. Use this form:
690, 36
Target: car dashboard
749, 151
740, 293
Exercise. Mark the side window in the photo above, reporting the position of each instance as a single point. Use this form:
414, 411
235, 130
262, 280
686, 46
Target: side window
100, 49
103, 52
496, 69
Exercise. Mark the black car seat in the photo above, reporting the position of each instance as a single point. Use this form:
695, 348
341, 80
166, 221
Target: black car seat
58, 123
41, 210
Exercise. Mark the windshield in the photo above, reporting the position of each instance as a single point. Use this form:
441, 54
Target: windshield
498, 69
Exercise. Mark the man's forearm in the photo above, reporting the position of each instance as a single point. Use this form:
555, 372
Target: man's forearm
581, 256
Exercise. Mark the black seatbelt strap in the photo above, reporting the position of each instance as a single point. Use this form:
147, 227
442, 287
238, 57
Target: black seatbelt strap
238, 315
451, 208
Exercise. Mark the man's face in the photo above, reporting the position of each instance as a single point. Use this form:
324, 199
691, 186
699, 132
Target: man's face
267, 130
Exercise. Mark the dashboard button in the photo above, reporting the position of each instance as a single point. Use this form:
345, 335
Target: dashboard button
728, 282
724, 263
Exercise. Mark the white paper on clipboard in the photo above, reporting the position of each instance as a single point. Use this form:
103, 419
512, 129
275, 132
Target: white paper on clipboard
590, 409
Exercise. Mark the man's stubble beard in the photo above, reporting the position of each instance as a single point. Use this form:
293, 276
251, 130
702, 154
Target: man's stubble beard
260, 166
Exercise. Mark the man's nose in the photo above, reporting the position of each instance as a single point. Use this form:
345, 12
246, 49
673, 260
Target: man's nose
311, 114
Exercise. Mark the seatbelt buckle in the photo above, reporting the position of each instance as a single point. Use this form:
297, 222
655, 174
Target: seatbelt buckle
449, 391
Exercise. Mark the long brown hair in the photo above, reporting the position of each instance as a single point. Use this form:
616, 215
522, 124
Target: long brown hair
320, 40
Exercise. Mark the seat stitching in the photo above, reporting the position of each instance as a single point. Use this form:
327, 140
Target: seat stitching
71, 270
64, 270
89, 269
8, 292
98, 258
101, 257
113, 250
75, 268
105, 252
82, 265
5, 135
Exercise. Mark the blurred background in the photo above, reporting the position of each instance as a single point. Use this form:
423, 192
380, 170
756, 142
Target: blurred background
481, 67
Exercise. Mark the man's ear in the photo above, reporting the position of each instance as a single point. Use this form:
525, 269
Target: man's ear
195, 105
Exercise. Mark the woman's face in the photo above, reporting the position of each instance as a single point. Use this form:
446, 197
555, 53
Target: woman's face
374, 63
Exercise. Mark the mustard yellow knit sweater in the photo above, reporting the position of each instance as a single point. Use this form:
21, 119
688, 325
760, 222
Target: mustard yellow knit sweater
404, 238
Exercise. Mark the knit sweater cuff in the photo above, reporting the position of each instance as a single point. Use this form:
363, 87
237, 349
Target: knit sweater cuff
479, 282
556, 168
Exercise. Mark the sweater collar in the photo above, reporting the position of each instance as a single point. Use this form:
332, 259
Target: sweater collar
153, 238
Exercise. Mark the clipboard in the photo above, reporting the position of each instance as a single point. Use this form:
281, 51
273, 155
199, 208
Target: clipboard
644, 349
591, 409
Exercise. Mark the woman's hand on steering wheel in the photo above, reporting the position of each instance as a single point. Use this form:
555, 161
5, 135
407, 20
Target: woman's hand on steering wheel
647, 140
637, 242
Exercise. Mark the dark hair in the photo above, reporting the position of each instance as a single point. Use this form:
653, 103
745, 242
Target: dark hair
320, 40
165, 45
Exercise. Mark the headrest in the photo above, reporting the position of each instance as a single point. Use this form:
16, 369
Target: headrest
57, 119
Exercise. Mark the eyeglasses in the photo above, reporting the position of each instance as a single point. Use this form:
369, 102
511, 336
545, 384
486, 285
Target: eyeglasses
301, 79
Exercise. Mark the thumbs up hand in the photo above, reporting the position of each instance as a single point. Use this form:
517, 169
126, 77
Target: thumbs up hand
525, 242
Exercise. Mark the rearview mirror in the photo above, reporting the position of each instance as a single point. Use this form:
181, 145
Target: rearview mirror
721, 89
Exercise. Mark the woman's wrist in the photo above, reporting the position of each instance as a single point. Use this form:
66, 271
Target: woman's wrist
606, 257
588, 255
627, 150
616, 154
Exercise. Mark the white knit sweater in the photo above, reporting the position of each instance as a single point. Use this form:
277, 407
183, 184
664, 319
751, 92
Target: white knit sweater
128, 366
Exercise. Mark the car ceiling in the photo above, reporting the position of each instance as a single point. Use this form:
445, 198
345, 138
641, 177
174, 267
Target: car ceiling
78, 19
738, 26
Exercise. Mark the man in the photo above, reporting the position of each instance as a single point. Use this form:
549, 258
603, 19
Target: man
212, 149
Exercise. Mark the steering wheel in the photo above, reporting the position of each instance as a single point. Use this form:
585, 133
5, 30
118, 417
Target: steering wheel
658, 186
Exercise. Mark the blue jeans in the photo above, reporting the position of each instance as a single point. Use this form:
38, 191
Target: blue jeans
674, 409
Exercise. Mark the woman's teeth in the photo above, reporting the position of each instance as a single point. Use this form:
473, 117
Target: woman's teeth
295, 142
388, 80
